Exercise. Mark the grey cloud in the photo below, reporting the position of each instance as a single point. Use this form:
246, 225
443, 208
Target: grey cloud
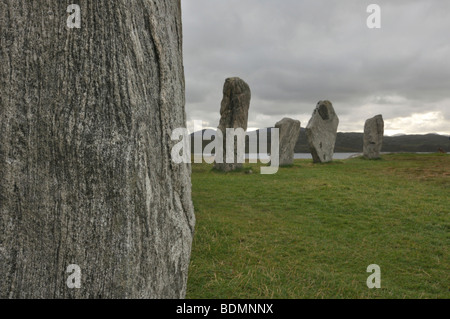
294, 53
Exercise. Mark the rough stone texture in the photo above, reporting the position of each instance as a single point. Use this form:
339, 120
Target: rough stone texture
321, 132
373, 137
233, 114
289, 132
86, 175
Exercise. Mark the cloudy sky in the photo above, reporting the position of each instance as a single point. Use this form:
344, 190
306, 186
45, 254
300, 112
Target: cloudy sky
294, 53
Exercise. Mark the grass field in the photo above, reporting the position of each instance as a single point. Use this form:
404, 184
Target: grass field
311, 230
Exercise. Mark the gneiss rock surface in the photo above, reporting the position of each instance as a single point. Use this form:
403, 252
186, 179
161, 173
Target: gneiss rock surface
373, 137
86, 175
289, 130
321, 132
233, 114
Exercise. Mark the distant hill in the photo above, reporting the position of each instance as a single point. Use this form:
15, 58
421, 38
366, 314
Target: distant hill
353, 143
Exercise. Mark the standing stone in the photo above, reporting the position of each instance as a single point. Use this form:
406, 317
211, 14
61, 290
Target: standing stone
373, 137
289, 132
233, 114
321, 132
86, 175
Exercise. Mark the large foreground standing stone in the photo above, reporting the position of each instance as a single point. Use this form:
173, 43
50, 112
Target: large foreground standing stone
289, 131
86, 173
373, 137
321, 132
233, 114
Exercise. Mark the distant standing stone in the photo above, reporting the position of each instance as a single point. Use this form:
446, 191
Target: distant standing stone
289, 132
233, 114
321, 132
373, 137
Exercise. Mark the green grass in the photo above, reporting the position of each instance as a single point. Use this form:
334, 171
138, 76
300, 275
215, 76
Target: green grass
310, 231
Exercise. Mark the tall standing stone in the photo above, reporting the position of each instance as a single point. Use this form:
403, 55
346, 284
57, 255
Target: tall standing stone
373, 137
233, 114
289, 131
321, 132
86, 175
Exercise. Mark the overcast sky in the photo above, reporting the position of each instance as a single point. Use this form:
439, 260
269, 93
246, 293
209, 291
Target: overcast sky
294, 53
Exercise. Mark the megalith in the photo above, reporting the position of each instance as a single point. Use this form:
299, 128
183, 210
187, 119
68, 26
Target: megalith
233, 115
289, 130
321, 132
92, 205
373, 137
